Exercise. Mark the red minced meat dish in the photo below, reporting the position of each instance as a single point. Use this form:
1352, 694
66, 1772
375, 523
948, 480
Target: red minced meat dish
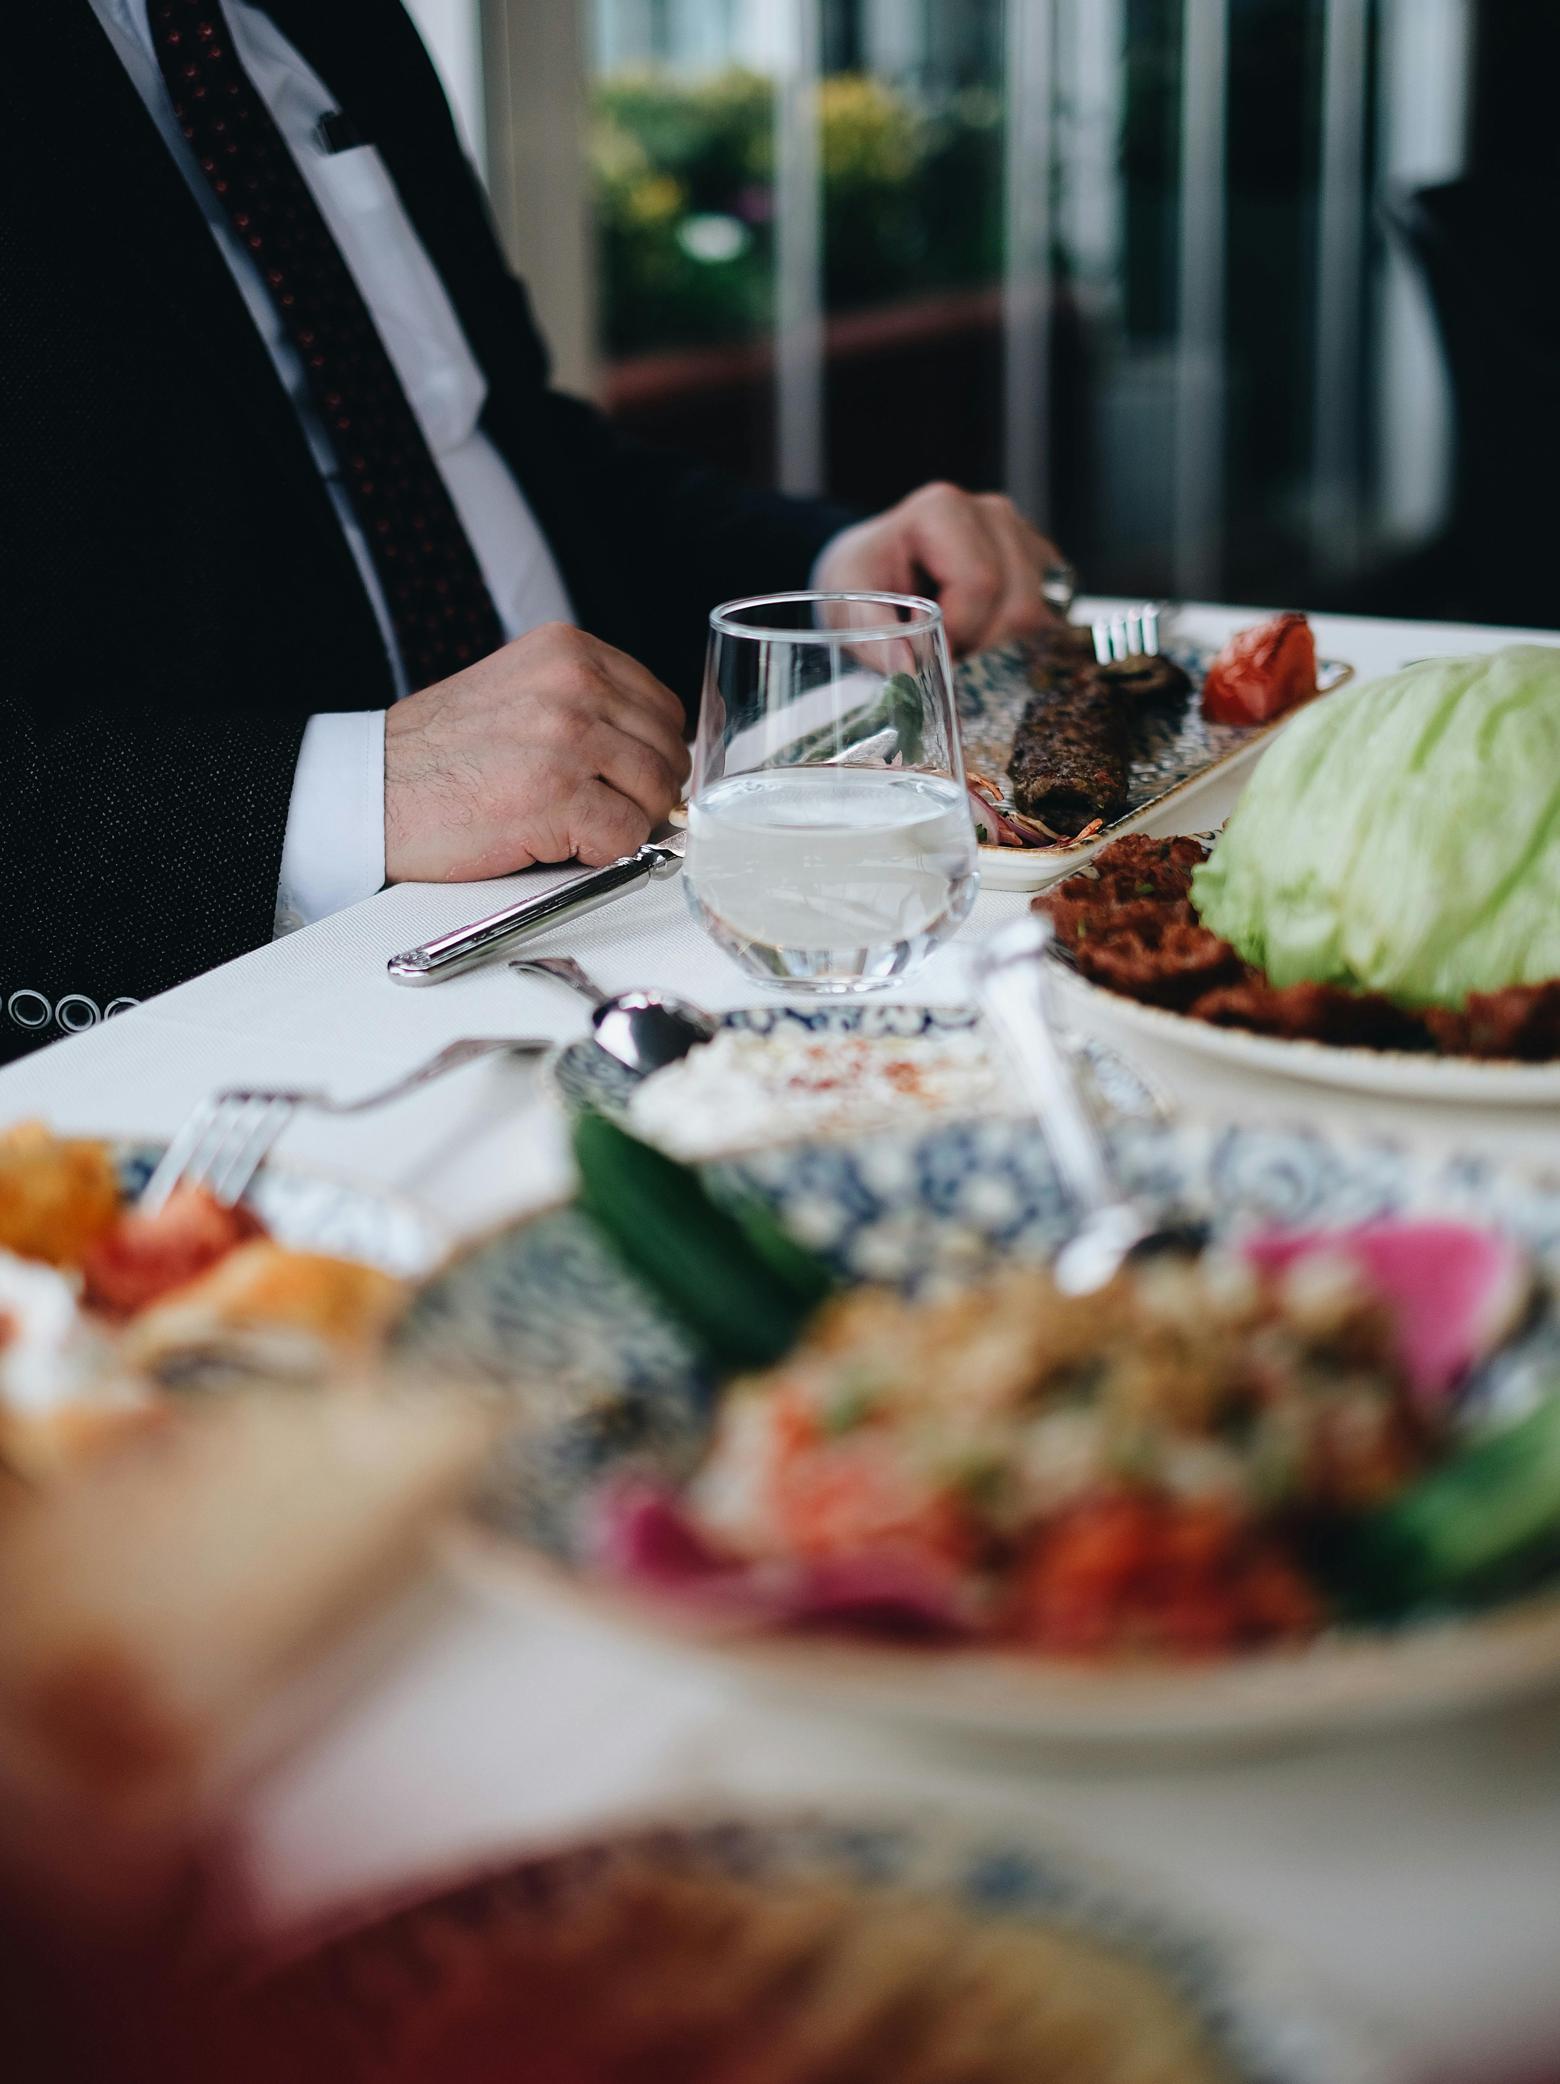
1127, 922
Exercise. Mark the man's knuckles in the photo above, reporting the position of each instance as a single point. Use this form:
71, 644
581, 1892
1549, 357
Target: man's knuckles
604, 826
971, 593
938, 496
1026, 617
561, 637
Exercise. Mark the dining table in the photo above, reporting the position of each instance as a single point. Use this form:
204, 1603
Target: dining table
1411, 1875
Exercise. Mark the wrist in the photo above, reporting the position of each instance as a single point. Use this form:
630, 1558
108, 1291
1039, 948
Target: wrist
401, 730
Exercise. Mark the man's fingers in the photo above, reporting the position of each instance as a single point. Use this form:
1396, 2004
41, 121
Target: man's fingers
1041, 548
872, 557
1010, 522
638, 684
654, 734
950, 538
986, 562
603, 826
635, 770
645, 709
1043, 553
1021, 610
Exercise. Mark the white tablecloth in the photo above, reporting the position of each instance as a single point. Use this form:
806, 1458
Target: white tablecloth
1419, 1876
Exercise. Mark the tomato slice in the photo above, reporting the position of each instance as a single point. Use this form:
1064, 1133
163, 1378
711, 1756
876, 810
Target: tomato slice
142, 1258
1262, 672
1139, 1571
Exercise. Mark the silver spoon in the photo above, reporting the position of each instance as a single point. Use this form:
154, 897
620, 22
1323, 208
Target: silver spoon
645, 1030
1013, 984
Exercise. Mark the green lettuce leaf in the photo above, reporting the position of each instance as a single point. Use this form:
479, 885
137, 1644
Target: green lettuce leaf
1403, 836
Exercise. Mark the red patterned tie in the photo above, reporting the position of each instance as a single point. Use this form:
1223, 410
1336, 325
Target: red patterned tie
440, 608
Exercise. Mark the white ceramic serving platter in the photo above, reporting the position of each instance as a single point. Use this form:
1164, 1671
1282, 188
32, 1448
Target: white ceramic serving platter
1174, 757
1401, 1074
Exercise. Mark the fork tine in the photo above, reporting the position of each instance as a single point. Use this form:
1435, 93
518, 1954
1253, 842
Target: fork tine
257, 1122
205, 1138
1130, 633
175, 1160
227, 1111
221, 1147
237, 1114
226, 1139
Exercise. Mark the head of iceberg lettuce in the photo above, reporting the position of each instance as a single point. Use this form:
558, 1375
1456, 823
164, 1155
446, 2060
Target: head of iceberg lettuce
1403, 836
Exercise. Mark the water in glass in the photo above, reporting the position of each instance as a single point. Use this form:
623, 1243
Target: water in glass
830, 845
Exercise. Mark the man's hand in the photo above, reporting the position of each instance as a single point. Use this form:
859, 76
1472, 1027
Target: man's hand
556, 746
973, 550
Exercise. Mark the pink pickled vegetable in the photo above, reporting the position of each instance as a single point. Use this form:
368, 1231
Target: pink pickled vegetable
996, 827
644, 1537
887, 1593
647, 1540
1454, 1292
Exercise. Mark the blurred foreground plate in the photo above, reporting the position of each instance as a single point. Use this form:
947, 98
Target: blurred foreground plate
603, 1384
180, 1609
870, 1947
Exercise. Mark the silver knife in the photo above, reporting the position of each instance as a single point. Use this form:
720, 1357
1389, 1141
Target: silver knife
466, 945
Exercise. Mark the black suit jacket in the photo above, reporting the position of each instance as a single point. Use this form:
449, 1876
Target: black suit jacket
178, 596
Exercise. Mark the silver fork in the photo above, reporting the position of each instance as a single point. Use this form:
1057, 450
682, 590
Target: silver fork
1134, 633
228, 1138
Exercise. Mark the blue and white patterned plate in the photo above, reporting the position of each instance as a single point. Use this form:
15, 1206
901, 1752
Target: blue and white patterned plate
584, 1076
1174, 753
602, 1383
314, 1213
368, 1977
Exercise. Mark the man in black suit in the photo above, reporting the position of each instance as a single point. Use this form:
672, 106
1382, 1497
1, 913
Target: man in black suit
311, 580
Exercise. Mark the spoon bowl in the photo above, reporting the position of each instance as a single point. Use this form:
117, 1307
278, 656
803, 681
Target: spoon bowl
643, 1029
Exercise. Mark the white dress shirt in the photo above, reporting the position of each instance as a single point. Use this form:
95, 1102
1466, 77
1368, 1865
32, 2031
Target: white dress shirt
335, 847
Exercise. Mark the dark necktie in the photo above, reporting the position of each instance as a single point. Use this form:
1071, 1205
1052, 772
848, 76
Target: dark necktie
440, 609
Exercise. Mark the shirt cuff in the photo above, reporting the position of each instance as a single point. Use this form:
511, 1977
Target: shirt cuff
334, 852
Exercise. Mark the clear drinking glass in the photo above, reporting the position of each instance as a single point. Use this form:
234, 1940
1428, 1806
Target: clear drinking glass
830, 846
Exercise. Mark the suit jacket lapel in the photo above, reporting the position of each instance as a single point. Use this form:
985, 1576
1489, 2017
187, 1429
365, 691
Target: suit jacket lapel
180, 376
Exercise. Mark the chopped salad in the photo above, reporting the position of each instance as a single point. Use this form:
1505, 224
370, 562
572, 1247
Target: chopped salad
1213, 1454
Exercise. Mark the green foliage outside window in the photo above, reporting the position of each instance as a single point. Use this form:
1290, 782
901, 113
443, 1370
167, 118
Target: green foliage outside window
684, 174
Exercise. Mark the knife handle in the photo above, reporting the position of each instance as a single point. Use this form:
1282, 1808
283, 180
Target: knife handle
458, 950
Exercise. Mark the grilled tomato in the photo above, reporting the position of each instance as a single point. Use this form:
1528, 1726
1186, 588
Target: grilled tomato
1262, 672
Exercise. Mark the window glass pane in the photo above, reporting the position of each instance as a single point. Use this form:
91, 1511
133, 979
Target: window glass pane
908, 107
910, 122
682, 136
1184, 273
